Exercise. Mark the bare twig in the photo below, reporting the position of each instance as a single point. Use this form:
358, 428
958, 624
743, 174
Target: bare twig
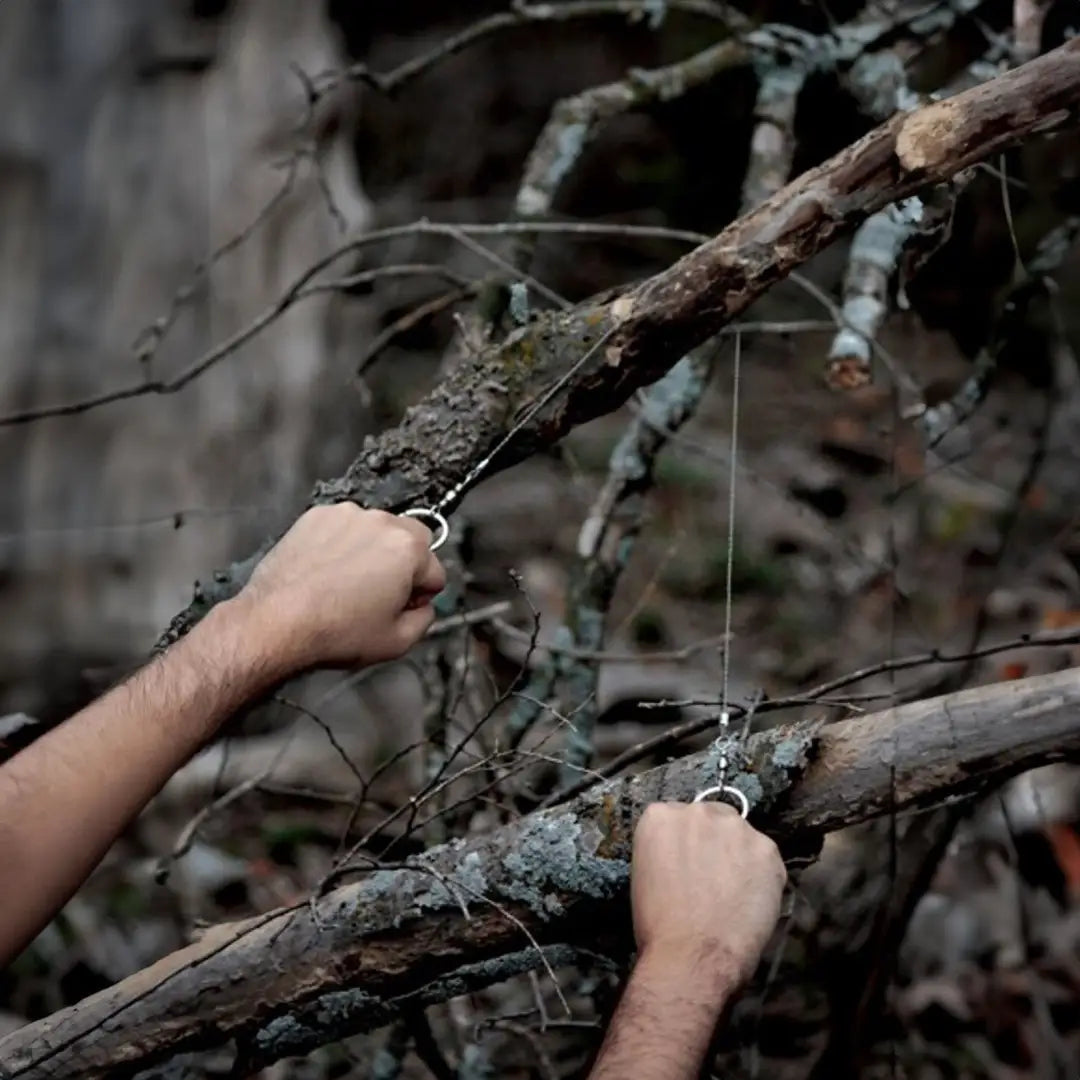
607, 656
149, 339
936, 422
409, 321
489, 613
519, 14
819, 694
305, 287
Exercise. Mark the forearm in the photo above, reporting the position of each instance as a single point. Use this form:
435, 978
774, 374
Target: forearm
665, 1021
65, 798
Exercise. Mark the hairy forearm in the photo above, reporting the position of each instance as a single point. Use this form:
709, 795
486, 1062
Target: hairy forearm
65, 798
665, 1021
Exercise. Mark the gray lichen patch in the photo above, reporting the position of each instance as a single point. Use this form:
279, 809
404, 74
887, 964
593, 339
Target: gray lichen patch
332, 1015
556, 857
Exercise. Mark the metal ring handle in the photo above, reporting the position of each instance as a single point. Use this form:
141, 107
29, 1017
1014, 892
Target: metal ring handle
732, 793
439, 526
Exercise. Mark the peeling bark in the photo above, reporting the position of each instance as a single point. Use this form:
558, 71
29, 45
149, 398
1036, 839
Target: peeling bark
285, 982
659, 321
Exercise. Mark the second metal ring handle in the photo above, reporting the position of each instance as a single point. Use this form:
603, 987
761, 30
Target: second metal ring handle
435, 521
732, 794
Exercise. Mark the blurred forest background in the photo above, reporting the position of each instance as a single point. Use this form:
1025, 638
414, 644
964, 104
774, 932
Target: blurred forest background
169, 168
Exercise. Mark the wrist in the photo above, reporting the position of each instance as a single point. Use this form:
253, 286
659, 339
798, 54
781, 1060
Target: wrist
705, 971
244, 640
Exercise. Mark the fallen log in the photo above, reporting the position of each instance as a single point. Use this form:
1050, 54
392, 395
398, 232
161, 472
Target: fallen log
642, 333
474, 912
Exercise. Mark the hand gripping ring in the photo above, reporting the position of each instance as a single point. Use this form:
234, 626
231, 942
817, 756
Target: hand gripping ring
732, 794
439, 526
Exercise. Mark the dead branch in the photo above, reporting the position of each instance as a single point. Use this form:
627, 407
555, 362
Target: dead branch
772, 146
872, 261
607, 539
306, 286
473, 912
938, 421
768, 45
916, 226
659, 321
1028, 19
575, 122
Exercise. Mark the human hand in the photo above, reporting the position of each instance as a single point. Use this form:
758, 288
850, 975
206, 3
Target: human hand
344, 586
706, 889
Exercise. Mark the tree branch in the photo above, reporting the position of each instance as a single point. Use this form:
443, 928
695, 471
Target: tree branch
473, 912
922, 224
662, 319
772, 146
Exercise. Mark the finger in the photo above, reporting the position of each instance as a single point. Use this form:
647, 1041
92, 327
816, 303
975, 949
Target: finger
430, 576
719, 809
419, 599
416, 527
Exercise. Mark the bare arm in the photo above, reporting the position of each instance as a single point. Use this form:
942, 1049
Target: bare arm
344, 587
706, 890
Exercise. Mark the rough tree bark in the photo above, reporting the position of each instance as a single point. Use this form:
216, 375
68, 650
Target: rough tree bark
473, 912
641, 334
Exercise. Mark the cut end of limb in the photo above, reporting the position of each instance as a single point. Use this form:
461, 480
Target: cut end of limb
849, 372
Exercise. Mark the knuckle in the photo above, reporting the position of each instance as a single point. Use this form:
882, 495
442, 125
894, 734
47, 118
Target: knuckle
382, 518
413, 536
400, 537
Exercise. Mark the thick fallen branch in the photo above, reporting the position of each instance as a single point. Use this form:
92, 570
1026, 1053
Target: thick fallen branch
472, 912
662, 319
